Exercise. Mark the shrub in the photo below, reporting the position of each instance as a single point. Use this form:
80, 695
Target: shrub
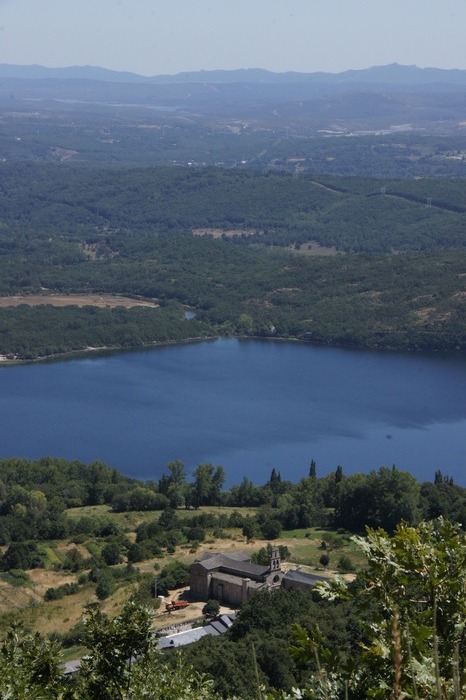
22, 555
105, 586
211, 608
111, 554
173, 575
61, 591
17, 578
137, 552
73, 561
195, 534
271, 529
73, 637
345, 564
324, 560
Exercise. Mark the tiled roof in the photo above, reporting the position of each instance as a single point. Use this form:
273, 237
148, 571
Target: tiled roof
236, 556
233, 566
181, 638
303, 577
213, 629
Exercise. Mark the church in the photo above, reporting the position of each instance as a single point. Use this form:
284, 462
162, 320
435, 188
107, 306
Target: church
233, 578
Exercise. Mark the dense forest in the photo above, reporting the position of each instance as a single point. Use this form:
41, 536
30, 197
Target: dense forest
332, 260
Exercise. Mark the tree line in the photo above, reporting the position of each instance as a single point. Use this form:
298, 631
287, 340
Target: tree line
34, 497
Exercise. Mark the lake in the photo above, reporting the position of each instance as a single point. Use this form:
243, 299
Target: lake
247, 405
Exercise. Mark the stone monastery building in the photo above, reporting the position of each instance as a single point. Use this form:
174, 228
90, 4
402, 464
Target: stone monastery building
233, 578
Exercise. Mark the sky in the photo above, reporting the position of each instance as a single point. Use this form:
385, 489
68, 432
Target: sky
154, 37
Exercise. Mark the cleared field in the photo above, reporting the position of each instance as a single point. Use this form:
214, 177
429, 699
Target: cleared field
221, 233
102, 301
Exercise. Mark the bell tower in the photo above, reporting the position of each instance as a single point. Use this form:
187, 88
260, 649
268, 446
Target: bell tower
275, 561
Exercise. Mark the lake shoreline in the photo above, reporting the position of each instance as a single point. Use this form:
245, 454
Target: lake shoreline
105, 350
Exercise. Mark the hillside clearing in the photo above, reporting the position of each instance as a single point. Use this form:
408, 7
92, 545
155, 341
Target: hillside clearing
101, 301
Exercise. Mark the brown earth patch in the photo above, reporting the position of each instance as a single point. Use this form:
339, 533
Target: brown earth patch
64, 153
43, 579
99, 300
430, 314
424, 314
373, 295
12, 597
313, 248
220, 232
59, 615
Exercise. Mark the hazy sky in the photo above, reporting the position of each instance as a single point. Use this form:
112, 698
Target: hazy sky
169, 36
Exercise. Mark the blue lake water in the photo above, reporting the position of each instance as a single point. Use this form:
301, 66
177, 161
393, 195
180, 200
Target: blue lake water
247, 405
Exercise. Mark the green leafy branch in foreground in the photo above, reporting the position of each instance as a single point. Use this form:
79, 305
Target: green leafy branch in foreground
122, 664
416, 638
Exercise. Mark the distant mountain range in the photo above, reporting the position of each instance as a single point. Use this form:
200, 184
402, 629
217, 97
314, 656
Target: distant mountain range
389, 75
382, 99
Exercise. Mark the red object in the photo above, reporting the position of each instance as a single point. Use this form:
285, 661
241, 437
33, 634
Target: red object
176, 605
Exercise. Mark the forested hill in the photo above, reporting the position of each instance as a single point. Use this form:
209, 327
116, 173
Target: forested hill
347, 261
87, 205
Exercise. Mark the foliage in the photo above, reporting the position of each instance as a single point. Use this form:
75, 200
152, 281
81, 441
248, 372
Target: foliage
263, 555
174, 575
61, 591
396, 632
22, 555
129, 232
123, 662
207, 486
73, 561
105, 585
211, 608
111, 554
29, 667
381, 499
345, 565
34, 494
17, 578
324, 560
416, 644
270, 528
255, 651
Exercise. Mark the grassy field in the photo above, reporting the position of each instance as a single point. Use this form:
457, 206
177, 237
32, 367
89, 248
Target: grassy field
306, 547
133, 518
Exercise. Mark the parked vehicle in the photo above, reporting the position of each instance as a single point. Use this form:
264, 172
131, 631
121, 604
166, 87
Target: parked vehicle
176, 605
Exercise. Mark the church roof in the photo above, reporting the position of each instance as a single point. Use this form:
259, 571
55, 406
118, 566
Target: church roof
231, 565
237, 556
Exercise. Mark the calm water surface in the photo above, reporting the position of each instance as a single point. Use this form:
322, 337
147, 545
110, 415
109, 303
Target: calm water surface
247, 405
